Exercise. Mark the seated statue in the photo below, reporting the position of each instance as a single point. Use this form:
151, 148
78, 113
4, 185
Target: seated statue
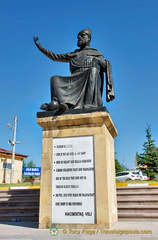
84, 88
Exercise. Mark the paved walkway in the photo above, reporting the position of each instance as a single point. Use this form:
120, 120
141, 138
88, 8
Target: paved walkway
121, 231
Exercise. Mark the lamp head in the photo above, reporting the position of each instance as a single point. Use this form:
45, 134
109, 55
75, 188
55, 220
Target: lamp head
9, 126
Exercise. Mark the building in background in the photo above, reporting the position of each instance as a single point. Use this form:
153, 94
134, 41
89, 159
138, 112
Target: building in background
6, 166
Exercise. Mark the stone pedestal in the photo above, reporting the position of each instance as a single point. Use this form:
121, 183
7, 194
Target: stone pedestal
100, 126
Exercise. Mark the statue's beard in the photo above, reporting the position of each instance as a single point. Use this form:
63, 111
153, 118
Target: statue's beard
82, 43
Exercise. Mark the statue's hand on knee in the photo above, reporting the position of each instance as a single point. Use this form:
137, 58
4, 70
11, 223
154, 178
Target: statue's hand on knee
92, 62
89, 62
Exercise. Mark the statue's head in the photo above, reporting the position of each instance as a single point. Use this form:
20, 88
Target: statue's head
84, 37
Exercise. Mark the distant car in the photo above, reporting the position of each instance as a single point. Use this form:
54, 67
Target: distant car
143, 176
156, 177
128, 175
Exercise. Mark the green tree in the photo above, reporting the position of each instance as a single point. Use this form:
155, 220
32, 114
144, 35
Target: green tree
138, 159
29, 163
24, 163
150, 155
118, 166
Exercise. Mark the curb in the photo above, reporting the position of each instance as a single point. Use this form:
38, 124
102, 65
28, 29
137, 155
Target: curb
136, 184
4, 188
117, 185
20, 187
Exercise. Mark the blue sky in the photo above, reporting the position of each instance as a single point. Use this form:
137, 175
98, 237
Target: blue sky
124, 31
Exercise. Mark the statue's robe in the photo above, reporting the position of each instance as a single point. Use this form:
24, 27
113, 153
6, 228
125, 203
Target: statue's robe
83, 89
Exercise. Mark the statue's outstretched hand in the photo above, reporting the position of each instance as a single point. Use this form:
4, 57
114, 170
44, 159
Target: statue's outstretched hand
35, 41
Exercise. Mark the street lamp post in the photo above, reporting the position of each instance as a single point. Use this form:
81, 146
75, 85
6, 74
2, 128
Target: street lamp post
13, 143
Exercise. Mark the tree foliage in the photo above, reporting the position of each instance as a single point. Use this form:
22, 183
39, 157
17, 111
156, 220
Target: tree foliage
138, 159
29, 163
149, 157
118, 166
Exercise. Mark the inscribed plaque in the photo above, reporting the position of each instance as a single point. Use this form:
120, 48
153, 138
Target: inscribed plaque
73, 199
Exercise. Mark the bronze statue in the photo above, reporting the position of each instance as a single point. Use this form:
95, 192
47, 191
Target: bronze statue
84, 88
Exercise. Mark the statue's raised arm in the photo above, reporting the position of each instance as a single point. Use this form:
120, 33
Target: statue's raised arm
84, 88
53, 56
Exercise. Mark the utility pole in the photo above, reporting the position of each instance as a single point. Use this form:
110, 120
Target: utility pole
13, 143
